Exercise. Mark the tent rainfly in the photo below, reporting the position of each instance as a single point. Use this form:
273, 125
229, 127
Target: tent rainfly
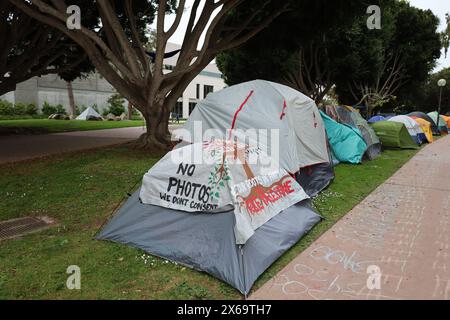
376, 119
273, 111
394, 135
231, 175
426, 128
346, 142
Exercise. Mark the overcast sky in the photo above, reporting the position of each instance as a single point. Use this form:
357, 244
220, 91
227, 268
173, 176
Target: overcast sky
439, 8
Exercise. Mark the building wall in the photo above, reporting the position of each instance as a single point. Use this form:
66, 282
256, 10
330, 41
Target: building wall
52, 89
190, 94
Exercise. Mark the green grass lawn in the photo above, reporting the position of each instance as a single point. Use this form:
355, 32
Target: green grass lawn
52, 126
80, 190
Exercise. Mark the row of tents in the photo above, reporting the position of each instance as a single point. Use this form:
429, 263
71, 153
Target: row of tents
420, 127
234, 220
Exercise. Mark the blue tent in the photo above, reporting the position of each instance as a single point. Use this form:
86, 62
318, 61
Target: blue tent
376, 119
347, 143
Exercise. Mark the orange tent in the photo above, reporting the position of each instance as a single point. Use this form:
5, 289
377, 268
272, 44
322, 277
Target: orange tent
447, 119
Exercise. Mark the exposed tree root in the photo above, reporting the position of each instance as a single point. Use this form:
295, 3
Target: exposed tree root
151, 145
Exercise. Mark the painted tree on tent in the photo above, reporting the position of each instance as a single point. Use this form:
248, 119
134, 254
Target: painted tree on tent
117, 46
259, 196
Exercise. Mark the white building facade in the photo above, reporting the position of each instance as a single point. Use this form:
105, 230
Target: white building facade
95, 90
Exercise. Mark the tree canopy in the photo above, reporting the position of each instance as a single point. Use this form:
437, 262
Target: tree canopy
366, 66
394, 59
273, 53
30, 48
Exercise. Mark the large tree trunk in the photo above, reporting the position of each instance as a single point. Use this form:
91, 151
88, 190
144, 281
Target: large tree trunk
163, 124
157, 116
130, 110
156, 139
71, 99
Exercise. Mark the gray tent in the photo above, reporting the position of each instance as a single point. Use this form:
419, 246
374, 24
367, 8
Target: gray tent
206, 241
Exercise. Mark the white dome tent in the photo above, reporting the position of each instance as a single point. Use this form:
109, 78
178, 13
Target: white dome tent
89, 113
211, 241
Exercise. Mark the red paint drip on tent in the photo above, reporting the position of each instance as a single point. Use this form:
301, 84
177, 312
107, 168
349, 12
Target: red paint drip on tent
239, 110
282, 111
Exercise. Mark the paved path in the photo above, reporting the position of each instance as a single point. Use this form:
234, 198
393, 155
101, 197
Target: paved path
24, 147
403, 227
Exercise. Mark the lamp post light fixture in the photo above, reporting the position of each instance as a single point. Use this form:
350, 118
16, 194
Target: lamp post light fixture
441, 83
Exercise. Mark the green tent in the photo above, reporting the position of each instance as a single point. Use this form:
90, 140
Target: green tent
394, 134
347, 143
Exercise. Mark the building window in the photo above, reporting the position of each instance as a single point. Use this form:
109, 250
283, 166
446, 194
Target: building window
198, 91
206, 90
192, 106
177, 109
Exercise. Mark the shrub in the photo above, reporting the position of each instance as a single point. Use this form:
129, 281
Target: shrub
31, 109
79, 109
116, 105
6, 108
60, 109
95, 107
48, 109
20, 109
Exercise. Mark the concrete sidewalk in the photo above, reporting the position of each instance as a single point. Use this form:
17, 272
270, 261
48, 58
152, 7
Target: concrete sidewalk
402, 229
24, 147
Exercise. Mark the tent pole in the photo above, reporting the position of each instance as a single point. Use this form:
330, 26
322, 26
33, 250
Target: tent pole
439, 107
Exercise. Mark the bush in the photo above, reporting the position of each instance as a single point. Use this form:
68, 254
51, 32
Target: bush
6, 108
79, 109
116, 105
20, 109
95, 107
17, 111
48, 109
60, 109
31, 110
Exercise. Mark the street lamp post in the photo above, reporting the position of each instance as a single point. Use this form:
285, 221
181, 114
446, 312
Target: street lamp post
441, 83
